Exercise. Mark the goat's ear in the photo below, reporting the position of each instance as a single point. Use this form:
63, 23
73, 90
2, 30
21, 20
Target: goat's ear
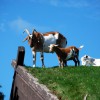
49, 46
25, 39
86, 56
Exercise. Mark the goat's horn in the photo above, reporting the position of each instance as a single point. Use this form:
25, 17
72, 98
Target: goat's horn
26, 30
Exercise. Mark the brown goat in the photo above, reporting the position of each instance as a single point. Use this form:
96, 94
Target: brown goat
65, 54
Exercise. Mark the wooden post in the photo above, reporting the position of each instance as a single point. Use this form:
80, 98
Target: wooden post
20, 56
19, 61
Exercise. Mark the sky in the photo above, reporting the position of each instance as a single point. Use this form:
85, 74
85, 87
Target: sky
77, 20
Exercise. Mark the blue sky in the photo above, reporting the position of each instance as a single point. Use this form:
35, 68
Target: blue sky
77, 20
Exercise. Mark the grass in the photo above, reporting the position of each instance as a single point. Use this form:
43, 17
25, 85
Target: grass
70, 83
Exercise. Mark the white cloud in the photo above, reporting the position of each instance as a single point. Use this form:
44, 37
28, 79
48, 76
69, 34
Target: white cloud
20, 24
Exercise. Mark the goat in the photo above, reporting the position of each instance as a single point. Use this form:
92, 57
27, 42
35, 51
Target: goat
39, 42
89, 61
65, 54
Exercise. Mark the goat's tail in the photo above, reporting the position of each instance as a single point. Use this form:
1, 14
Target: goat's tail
81, 47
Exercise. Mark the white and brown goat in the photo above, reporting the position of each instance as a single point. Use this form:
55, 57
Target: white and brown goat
65, 54
90, 61
39, 42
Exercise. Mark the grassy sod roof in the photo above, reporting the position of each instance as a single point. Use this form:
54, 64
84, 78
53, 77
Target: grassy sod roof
70, 83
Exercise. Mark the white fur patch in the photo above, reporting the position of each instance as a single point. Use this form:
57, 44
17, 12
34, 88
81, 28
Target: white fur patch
69, 54
33, 52
30, 36
50, 39
56, 36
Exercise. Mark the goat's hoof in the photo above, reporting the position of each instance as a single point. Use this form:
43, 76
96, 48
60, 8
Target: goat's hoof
34, 66
43, 66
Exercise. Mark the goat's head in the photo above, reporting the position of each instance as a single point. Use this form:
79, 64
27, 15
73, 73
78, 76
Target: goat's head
87, 60
34, 39
84, 58
37, 36
52, 47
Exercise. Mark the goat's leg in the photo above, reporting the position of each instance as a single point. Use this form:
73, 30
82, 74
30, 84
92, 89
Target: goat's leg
42, 58
59, 63
62, 63
34, 58
75, 62
78, 61
65, 62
